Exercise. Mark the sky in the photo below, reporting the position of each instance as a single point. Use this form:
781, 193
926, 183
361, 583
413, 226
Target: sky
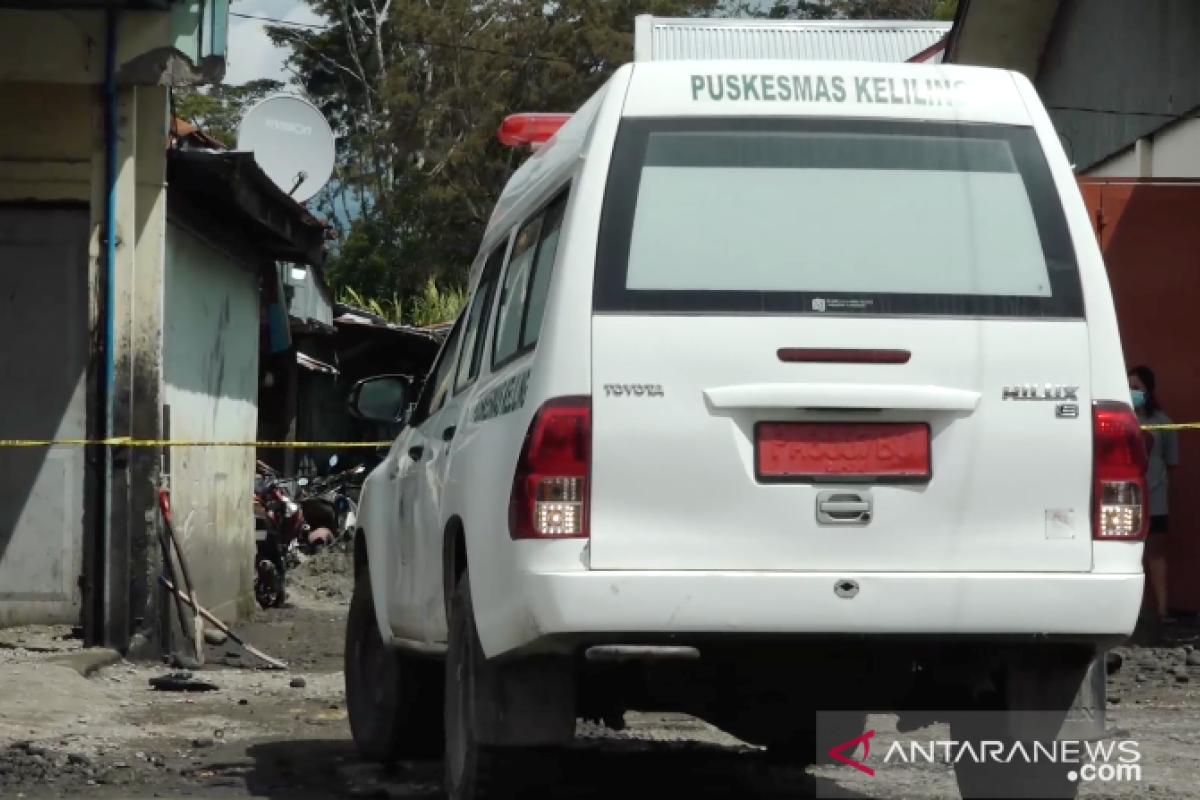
251, 54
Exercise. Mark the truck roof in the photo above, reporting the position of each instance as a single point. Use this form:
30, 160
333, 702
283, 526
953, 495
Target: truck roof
686, 39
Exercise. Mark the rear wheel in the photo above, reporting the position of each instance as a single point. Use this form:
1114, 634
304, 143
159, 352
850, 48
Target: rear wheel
393, 699
468, 763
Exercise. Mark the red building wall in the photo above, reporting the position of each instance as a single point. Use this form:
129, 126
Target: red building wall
1149, 232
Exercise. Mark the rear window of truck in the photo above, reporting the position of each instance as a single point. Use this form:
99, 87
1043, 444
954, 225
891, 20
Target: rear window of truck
804, 216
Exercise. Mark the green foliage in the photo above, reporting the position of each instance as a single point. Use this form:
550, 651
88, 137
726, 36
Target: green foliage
416, 92
435, 305
388, 309
217, 110
432, 306
853, 9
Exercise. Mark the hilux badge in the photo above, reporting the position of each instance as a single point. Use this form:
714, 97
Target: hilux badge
1049, 392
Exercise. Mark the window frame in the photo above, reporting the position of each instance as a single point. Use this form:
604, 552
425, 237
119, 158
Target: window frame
611, 295
564, 193
489, 279
554, 206
426, 397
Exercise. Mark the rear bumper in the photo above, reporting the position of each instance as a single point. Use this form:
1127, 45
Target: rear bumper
552, 610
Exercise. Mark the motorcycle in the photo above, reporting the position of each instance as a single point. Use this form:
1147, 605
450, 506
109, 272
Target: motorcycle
330, 502
279, 527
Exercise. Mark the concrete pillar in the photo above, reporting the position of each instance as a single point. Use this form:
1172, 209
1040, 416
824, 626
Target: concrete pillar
146, 353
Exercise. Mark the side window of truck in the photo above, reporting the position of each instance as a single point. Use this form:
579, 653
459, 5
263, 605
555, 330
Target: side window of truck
523, 299
437, 383
471, 353
543, 267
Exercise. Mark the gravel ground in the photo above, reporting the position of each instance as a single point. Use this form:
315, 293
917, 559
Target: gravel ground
283, 734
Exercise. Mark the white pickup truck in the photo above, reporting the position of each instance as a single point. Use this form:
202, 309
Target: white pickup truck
784, 387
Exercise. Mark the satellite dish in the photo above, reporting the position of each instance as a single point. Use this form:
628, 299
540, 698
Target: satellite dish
291, 141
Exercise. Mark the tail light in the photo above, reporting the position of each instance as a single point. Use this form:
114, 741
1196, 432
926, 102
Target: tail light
1119, 467
550, 489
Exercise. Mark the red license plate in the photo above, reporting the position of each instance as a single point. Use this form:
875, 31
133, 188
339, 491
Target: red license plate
816, 450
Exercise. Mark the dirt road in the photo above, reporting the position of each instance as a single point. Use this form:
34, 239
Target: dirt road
272, 734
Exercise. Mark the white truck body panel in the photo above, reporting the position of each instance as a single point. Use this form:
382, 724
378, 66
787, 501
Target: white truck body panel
684, 536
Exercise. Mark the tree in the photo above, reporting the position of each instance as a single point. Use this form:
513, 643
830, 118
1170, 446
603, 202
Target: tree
859, 9
219, 109
417, 91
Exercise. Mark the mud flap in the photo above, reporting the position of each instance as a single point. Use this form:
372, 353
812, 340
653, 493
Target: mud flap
525, 702
1086, 717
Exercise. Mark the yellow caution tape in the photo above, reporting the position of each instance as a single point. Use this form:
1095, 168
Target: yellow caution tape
125, 441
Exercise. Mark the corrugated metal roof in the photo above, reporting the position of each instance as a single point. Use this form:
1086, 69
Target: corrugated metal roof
310, 363
666, 39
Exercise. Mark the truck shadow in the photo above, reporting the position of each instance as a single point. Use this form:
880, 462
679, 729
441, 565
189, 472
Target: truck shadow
630, 770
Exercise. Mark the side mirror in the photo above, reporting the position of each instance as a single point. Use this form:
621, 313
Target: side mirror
383, 399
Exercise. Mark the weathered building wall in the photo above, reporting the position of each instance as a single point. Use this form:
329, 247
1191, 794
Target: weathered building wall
54, 161
43, 324
211, 376
1151, 245
46, 167
1114, 71
46, 149
153, 47
1173, 152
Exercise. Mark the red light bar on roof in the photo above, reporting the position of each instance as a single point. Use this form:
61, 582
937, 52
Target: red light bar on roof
530, 129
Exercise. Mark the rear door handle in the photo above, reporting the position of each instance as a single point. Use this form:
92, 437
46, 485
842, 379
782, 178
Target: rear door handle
834, 507
416, 452
448, 434
844, 508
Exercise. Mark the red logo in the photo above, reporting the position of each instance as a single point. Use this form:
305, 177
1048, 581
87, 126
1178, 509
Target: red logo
864, 740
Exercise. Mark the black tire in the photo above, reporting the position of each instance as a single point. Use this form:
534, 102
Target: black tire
281, 578
469, 766
1016, 779
393, 700
268, 583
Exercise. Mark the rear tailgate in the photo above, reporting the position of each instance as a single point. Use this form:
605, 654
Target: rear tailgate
675, 477
725, 241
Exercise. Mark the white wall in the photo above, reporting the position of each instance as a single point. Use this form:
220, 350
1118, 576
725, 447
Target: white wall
1173, 152
211, 375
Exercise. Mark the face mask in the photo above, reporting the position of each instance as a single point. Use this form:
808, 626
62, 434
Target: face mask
1139, 398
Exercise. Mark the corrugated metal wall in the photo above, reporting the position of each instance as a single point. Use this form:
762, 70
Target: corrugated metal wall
211, 375
1110, 56
684, 40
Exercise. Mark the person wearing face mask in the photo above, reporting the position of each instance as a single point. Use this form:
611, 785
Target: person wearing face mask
1162, 452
